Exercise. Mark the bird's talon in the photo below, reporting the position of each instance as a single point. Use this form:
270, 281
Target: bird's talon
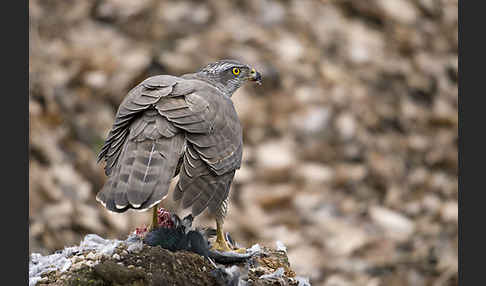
224, 247
240, 250
221, 246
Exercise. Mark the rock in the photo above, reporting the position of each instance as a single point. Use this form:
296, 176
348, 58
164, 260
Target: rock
418, 143
275, 196
308, 95
343, 238
289, 48
307, 202
135, 247
449, 211
113, 9
431, 203
272, 12
312, 122
116, 273
275, 155
95, 79
77, 266
385, 167
399, 10
346, 173
315, 173
88, 218
58, 215
365, 45
306, 259
244, 175
394, 224
276, 158
116, 221
337, 280
45, 182
156, 266
346, 126
288, 238
78, 258
184, 11
91, 256
71, 183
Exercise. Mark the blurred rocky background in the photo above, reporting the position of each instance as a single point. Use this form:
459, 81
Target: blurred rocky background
350, 155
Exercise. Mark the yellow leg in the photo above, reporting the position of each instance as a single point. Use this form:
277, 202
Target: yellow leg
221, 244
155, 220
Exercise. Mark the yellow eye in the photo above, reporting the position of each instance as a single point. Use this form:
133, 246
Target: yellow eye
236, 71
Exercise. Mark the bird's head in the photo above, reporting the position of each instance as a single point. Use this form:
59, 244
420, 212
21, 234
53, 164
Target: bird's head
229, 75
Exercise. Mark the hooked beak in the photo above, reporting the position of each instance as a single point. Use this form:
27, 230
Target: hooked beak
256, 76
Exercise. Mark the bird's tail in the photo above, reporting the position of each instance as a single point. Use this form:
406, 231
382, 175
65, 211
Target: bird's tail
142, 175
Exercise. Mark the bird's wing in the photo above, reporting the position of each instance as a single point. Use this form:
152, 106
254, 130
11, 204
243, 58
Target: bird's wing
142, 149
200, 187
138, 99
213, 144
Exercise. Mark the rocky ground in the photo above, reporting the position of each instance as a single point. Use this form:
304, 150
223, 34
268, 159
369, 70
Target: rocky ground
350, 155
103, 262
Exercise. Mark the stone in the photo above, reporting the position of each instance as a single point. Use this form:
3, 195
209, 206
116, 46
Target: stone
276, 158
449, 211
312, 121
91, 256
337, 280
88, 218
95, 79
78, 258
346, 126
395, 224
58, 215
315, 173
399, 10
71, 183
289, 48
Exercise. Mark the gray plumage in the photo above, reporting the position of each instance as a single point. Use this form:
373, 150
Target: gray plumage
171, 125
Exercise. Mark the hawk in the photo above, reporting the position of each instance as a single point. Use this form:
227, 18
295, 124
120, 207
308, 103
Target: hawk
177, 127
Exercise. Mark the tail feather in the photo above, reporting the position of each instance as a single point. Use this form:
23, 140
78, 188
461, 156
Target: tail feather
143, 174
121, 177
107, 197
168, 151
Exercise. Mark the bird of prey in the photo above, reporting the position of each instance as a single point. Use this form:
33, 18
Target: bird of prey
177, 127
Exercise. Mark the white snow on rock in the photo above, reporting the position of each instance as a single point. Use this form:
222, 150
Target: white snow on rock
277, 274
254, 249
40, 264
281, 246
96, 242
303, 281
